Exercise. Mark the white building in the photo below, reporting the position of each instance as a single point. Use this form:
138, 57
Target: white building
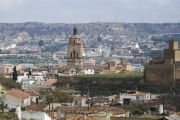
15, 97
26, 81
90, 62
6, 68
80, 101
133, 96
35, 115
34, 96
60, 55
101, 101
175, 116
37, 76
88, 71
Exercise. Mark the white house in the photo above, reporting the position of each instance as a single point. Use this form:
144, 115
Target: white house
80, 101
21, 77
16, 97
38, 77
26, 81
88, 71
35, 115
34, 96
101, 101
133, 96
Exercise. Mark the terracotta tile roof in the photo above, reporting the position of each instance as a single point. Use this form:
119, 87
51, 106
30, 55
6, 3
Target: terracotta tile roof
178, 113
31, 93
101, 100
116, 111
91, 110
36, 107
79, 97
83, 117
18, 94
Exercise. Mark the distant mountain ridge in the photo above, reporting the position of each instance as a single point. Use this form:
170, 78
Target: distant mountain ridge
53, 30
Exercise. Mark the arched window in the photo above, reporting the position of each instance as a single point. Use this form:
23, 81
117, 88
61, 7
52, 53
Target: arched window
74, 54
71, 54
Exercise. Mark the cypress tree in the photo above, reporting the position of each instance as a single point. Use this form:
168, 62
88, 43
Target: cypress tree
15, 74
29, 72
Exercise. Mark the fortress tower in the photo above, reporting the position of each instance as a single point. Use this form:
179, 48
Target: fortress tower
165, 69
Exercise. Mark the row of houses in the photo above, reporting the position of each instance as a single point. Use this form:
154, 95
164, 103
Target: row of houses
80, 106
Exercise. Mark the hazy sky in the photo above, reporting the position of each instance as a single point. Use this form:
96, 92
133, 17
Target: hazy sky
78, 11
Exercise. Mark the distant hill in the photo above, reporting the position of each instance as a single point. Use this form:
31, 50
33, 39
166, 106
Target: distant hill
54, 30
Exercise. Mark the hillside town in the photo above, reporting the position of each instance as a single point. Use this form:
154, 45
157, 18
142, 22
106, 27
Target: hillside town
89, 60
59, 85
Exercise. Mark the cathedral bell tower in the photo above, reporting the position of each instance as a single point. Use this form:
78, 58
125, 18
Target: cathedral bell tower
75, 50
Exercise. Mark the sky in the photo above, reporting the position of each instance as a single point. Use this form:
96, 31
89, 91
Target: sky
84, 11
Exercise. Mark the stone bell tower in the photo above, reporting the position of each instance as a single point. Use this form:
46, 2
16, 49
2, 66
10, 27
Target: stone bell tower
75, 50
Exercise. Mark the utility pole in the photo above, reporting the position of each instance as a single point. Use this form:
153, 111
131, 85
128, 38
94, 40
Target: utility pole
163, 108
109, 92
88, 99
65, 115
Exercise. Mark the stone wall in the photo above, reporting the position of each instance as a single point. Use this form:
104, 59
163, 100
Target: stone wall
160, 73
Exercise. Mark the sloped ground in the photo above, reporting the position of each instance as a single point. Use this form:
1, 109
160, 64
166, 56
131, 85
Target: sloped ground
8, 116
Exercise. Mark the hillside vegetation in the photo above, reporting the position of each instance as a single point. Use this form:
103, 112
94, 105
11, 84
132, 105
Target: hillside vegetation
109, 84
7, 83
117, 75
8, 116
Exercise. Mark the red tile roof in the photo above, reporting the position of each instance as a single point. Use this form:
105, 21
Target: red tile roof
36, 107
83, 117
79, 97
31, 93
18, 94
178, 113
101, 100
85, 110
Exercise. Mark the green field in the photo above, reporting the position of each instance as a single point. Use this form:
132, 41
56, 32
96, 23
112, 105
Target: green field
116, 75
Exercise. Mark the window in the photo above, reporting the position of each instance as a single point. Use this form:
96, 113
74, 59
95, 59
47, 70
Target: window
74, 53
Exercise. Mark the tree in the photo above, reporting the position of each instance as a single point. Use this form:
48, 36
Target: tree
29, 72
15, 74
40, 43
56, 96
8, 83
2, 106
